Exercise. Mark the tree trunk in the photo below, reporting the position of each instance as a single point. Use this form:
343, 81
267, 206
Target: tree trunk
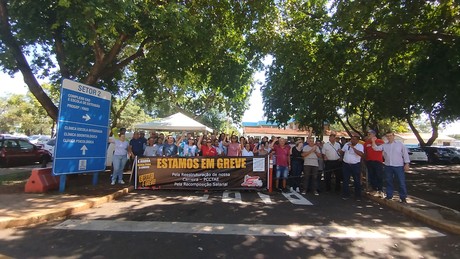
22, 64
415, 131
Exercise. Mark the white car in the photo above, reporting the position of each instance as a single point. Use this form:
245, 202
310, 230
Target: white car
49, 145
417, 154
40, 139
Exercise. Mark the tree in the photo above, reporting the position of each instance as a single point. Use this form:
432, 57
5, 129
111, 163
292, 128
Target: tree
378, 60
23, 114
166, 46
415, 48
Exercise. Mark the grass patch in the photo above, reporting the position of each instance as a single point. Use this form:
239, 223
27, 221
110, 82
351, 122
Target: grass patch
14, 177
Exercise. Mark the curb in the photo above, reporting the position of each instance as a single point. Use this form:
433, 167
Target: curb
78, 206
422, 215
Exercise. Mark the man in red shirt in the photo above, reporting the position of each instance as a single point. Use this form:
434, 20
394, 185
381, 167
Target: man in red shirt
374, 163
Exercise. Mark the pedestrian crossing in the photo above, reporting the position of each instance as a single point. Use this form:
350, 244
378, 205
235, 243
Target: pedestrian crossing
236, 198
290, 230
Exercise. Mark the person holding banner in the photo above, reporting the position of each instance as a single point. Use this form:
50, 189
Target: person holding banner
120, 157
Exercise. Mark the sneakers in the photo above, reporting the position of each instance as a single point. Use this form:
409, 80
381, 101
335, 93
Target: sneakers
403, 200
120, 182
388, 198
286, 190
297, 189
316, 193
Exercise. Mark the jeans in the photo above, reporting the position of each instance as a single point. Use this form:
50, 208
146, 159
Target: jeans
282, 172
119, 162
397, 172
353, 170
375, 174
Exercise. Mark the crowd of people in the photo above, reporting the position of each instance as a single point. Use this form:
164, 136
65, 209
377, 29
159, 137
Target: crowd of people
300, 164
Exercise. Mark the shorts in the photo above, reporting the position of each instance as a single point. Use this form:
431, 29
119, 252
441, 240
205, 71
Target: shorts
282, 172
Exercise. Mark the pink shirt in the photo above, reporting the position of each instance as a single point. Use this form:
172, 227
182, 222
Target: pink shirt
233, 149
282, 154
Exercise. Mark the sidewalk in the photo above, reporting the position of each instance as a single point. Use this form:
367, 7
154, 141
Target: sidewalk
23, 209
430, 213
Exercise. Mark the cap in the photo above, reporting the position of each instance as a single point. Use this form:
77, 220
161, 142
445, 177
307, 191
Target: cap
371, 131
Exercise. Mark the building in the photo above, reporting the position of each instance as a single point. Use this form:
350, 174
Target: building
410, 139
291, 131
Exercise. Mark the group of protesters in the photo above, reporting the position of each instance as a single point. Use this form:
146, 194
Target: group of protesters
303, 163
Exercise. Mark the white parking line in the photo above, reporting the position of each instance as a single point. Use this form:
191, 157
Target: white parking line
265, 198
226, 197
332, 231
296, 198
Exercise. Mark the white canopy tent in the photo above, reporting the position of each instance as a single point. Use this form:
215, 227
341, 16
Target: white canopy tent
175, 122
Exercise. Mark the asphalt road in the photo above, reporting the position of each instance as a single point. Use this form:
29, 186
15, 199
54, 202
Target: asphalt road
181, 224
436, 183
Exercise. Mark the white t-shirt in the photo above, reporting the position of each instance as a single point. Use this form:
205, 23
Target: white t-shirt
246, 153
312, 158
350, 157
330, 151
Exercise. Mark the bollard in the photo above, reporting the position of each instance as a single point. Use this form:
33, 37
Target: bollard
270, 174
42, 180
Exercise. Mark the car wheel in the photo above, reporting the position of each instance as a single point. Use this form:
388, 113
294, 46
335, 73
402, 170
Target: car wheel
455, 160
44, 161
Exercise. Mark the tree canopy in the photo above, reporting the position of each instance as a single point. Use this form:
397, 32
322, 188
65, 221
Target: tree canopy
187, 54
373, 59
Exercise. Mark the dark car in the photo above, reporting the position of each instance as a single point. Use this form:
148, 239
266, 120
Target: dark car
16, 151
442, 155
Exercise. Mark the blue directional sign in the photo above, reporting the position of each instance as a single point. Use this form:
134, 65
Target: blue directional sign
82, 129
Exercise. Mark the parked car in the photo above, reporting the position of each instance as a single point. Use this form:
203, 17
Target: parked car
16, 151
442, 155
417, 154
50, 146
40, 140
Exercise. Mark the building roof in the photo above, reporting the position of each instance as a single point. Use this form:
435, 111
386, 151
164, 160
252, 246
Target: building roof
425, 136
259, 124
273, 131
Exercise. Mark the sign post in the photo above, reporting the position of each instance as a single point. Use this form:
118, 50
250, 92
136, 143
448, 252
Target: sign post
82, 130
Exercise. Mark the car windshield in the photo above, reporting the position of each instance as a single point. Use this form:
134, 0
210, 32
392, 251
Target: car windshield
51, 142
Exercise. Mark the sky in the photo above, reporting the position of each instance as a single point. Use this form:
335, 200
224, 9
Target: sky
16, 85
255, 112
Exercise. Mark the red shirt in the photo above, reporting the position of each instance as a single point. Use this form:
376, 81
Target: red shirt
282, 154
371, 154
208, 151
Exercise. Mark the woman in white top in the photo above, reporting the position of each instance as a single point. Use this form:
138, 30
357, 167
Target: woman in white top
247, 150
151, 148
120, 157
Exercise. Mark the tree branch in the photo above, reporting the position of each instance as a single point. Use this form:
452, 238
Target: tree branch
21, 61
411, 37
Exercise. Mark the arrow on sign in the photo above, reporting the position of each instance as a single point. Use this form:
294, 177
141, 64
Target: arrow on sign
83, 149
86, 117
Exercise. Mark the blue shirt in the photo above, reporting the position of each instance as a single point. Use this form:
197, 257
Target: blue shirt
169, 149
137, 146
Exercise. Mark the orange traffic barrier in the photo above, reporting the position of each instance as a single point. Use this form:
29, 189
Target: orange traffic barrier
42, 180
